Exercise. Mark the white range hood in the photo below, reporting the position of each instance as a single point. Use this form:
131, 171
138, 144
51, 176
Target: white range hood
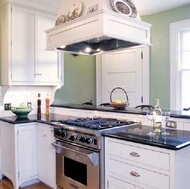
93, 27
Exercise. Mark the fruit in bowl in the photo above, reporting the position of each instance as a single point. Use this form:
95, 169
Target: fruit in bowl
21, 111
119, 101
118, 104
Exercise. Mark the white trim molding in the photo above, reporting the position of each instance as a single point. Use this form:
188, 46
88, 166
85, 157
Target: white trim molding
175, 28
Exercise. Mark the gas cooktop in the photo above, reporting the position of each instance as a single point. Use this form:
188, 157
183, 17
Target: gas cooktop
169, 138
96, 123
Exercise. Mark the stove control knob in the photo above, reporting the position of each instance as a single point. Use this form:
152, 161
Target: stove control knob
89, 140
63, 133
82, 139
72, 138
58, 132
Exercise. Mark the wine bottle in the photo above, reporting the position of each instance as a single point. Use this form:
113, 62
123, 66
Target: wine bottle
157, 118
39, 107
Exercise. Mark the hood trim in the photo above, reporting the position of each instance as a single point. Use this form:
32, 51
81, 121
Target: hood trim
82, 30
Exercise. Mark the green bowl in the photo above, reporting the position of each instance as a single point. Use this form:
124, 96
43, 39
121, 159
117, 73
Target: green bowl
21, 112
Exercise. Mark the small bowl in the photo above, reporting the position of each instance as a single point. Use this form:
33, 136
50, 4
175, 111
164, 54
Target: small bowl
21, 112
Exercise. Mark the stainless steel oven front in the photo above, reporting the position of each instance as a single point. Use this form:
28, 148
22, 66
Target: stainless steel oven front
76, 167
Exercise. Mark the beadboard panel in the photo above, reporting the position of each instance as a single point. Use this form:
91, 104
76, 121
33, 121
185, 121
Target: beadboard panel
45, 5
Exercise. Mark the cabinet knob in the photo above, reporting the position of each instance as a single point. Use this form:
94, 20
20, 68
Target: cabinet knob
134, 174
134, 154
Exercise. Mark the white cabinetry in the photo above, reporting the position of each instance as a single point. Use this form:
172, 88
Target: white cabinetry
45, 155
24, 60
136, 166
18, 152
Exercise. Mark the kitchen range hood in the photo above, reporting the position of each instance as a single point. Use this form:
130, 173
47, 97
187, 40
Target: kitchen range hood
94, 27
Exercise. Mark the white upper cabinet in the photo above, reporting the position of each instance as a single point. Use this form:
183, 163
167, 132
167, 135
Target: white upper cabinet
24, 60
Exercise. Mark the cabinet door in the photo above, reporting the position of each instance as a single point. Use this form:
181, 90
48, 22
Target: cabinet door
26, 144
41, 152
22, 57
114, 183
45, 155
51, 181
48, 67
7, 148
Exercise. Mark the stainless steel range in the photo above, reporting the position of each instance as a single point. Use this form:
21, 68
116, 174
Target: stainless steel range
80, 151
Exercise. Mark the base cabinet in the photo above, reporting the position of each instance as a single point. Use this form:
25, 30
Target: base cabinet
45, 155
137, 166
18, 152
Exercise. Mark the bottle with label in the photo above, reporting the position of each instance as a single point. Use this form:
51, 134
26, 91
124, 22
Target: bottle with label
39, 107
47, 105
157, 118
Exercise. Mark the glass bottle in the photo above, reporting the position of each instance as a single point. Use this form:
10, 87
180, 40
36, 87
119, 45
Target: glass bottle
47, 105
157, 118
39, 107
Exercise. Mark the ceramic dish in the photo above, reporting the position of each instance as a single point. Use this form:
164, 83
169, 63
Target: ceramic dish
125, 7
60, 20
75, 11
21, 112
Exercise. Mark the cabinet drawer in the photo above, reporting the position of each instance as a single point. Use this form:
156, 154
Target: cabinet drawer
137, 175
128, 152
115, 183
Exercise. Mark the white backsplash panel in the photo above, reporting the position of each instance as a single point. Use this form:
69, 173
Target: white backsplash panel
24, 94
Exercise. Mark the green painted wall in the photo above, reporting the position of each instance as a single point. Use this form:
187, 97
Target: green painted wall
160, 52
80, 80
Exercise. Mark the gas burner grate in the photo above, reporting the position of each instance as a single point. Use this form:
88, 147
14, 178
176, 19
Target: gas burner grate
96, 123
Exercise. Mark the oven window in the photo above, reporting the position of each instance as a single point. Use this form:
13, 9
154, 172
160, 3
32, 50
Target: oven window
75, 170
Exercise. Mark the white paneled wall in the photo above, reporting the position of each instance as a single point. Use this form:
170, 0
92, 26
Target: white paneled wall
23, 94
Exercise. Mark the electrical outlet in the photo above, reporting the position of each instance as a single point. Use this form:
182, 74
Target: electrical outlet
171, 124
7, 106
29, 104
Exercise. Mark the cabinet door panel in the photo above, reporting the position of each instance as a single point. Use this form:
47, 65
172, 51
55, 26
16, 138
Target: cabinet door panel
46, 61
41, 153
23, 25
46, 155
122, 69
26, 152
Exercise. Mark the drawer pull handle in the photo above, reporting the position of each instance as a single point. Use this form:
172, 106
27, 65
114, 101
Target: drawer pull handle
135, 174
134, 154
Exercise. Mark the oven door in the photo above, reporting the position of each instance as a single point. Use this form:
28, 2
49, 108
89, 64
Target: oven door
76, 167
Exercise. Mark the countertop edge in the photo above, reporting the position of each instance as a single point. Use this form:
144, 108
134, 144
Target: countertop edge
144, 142
173, 114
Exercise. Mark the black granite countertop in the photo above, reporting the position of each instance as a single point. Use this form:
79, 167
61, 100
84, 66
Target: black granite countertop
128, 110
175, 139
169, 138
35, 118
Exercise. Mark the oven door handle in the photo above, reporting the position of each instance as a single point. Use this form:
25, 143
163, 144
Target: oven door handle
92, 156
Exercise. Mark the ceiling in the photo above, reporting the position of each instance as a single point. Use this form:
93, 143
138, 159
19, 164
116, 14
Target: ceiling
146, 7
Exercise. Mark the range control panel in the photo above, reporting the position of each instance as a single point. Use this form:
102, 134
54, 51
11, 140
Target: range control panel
77, 137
